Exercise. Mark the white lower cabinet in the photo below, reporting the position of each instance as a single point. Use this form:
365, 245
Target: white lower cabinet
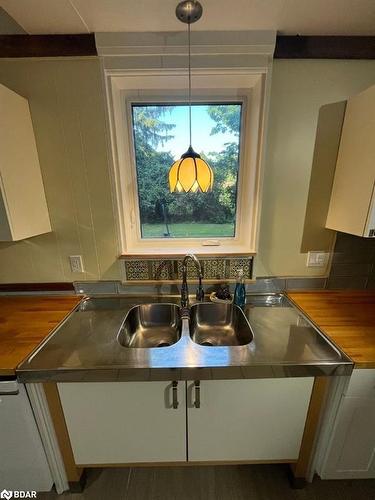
351, 451
124, 422
249, 420
236, 420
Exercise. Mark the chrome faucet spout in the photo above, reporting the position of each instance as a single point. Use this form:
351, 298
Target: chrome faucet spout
184, 287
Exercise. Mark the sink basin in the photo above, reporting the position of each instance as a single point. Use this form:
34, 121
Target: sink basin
151, 325
219, 325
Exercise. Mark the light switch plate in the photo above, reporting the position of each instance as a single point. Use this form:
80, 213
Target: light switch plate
317, 259
76, 263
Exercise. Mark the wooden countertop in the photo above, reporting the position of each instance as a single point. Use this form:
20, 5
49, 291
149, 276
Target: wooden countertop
25, 322
347, 317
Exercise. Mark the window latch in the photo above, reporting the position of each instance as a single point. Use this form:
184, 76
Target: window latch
211, 243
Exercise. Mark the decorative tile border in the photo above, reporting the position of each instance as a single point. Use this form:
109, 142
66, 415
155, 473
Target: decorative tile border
236, 264
162, 269
214, 268
137, 270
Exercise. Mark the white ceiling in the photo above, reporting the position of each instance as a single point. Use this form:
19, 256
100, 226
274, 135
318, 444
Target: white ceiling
319, 17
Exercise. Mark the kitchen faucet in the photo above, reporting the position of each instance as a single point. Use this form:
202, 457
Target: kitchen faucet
184, 287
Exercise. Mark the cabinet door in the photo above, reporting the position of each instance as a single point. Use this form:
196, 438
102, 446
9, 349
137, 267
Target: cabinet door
23, 205
352, 450
248, 420
351, 204
125, 422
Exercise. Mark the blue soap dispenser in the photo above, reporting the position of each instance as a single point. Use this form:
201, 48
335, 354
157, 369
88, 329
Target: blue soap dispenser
240, 291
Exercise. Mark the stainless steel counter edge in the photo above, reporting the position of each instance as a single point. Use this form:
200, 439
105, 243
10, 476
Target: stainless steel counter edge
123, 364
316, 326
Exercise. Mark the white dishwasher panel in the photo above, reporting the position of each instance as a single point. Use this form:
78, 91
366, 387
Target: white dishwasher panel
23, 463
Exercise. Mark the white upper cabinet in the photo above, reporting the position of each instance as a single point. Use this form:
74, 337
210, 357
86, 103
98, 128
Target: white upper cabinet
23, 206
352, 206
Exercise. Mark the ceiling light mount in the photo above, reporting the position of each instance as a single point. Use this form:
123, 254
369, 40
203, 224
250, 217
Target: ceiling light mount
189, 11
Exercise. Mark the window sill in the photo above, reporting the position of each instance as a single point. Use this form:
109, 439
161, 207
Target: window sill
180, 255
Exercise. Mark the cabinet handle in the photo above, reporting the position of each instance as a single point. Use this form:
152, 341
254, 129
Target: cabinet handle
174, 395
197, 386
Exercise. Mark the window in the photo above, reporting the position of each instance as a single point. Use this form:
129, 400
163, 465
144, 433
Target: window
148, 118
161, 135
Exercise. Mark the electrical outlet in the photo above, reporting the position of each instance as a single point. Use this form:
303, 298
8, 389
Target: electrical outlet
76, 264
317, 259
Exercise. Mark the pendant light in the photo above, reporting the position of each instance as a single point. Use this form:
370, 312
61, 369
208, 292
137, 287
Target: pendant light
190, 173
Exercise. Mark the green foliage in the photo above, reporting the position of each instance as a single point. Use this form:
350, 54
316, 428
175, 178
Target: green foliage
227, 118
148, 127
225, 166
217, 207
152, 178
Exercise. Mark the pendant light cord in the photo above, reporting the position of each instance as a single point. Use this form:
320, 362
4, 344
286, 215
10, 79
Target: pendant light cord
189, 82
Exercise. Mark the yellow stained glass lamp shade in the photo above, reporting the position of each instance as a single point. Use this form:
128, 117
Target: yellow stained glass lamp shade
190, 174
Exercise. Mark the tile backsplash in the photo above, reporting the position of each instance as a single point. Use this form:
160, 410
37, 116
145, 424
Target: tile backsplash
214, 268
353, 263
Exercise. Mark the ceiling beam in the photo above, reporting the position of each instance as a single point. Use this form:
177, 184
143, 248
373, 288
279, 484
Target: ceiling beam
36, 287
324, 47
287, 46
47, 45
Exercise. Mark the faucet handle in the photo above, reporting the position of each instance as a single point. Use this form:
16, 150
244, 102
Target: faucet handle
200, 292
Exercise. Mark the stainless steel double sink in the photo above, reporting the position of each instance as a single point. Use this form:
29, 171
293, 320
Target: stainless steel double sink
160, 325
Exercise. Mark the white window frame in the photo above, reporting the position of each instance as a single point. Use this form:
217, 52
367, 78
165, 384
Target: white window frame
168, 85
213, 98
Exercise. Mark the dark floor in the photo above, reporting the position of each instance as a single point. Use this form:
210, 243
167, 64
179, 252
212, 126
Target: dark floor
250, 482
